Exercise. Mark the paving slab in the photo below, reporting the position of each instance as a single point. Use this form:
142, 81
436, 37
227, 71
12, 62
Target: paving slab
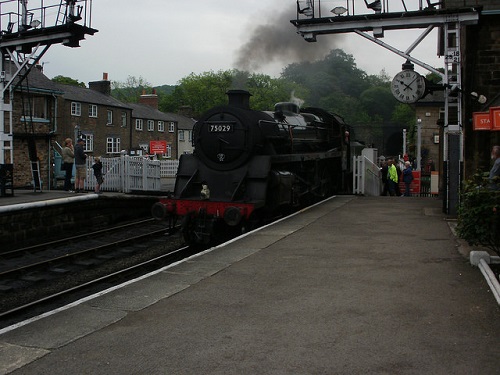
372, 286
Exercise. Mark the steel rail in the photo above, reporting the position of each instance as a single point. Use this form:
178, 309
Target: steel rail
124, 271
77, 253
62, 241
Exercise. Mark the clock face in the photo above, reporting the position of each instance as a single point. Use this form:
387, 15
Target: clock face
408, 86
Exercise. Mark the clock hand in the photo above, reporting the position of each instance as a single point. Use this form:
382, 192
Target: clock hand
408, 85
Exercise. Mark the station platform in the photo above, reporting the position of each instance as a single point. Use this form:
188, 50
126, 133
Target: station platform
355, 285
22, 196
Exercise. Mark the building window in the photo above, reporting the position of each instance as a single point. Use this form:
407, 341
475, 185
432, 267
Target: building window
92, 110
89, 142
190, 135
169, 151
110, 118
161, 126
76, 109
113, 145
171, 127
36, 108
124, 119
138, 124
151, 126
181, 135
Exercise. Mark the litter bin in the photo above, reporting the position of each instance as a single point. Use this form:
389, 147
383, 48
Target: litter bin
6, 180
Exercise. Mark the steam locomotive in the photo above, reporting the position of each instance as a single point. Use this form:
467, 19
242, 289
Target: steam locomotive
250, 166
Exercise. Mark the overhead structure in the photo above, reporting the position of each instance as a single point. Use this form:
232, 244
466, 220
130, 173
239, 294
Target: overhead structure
27, 30
375, 17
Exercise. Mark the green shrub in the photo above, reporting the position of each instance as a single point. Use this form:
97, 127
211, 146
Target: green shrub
479, 214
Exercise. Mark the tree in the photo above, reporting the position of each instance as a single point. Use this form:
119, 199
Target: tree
378, 102
203, 91
206, 90
130, 90
68, 81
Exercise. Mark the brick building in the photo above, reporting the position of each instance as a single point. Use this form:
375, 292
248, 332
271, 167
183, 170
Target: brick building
150, 124
103, 121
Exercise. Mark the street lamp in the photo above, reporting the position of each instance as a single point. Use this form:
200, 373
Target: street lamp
419, 144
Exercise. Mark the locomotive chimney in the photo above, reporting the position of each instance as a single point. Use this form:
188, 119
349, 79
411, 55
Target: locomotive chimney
239, 98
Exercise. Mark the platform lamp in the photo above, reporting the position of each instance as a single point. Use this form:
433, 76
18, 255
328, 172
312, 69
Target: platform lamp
419, 144
404, 142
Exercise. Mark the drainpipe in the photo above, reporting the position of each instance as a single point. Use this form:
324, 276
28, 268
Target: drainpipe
54, 130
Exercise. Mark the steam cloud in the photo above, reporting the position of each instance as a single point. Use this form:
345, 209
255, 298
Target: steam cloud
276, 40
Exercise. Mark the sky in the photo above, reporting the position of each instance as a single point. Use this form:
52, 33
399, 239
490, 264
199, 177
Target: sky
163, 41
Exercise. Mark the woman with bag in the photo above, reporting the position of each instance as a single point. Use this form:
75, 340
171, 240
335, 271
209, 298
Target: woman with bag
68, 157
407, 178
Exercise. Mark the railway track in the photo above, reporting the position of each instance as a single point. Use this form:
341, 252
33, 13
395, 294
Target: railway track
36, 278
38, 262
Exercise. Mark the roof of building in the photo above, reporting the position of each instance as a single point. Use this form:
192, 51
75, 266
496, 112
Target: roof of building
147, 112
433, 99
143, 111
37, 81
183, 122
85, 95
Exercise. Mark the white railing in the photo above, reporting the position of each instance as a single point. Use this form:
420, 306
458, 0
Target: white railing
126, 174
366, 177
168, 168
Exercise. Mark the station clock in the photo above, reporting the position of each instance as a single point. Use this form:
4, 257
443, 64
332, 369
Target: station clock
408, 86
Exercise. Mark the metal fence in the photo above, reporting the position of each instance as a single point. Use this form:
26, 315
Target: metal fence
366, 177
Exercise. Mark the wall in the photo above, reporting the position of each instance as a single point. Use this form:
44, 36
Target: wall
481, 66
41, 133
63, 220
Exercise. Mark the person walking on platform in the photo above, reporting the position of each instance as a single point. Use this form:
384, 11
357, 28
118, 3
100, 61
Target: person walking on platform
68, 157
399, 173
494, 176
81, 166
97, 167
392, 177
407, 177
384, 171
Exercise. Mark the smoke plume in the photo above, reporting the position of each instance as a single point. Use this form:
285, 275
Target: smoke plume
276, 41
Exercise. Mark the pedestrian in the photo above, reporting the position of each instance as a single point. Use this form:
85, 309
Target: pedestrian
400, 175
392, 177
407, 177
494, 176
384, 171
81, 166
97, 167
68, 157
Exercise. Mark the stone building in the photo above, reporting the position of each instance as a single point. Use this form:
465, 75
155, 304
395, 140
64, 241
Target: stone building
430, 111
34, 126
